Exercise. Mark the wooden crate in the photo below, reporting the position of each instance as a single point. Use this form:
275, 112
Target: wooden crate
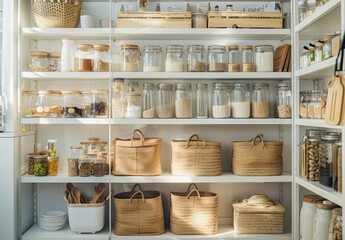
245, 19
154, 20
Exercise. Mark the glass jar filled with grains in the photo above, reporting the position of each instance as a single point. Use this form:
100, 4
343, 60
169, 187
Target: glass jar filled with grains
101, 58
53, 166
183, 100
284, 100
130, 58
54, 62
73, 167
221, 100
148, 100
234, 59
202, 100
152, 59
133, 109
98, 167
174, 59
107, 164
165, 104
72, 104
96, 103
84, 167
40, 165
82, 58
260, 103
30, 159
196, 58
240, 102
39, 61
216, 58
118, 98
247, 58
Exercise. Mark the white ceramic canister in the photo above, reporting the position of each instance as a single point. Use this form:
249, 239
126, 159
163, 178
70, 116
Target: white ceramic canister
67, 55
307, 215
322, 219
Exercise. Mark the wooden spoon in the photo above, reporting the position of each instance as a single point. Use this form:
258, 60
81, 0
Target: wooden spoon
69, 187
98, 192
76, 195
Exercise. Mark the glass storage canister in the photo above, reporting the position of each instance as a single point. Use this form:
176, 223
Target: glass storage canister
264, 58
98, 167
221, 107
307, 216
118, 99
41, 165
196, 58
335, 231
303, 105
133, 109
29, 103
73, 164
317, 104
72, 104
216, 58
202, 100
148, 100
152, 59
322, 220
302, 10
312, 101
82, 58
101, 58
39, 61
327, 47
199, 20
30, 159
76, 152
240, 101
52, 147
107, 163
165, 105
284, 101
247, 58
234, 59
260, 103
174, 59
130, 58
53, 166
133, 87
183, 100
48, 104
84, 167
96, 103
328, 153
318, 52
54, 62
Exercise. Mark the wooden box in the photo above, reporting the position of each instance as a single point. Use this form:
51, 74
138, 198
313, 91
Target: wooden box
218, 19
154, 20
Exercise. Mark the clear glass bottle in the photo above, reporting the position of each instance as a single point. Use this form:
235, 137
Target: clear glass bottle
322, 220
130, 58
118, 99
82, 58
174, 59
39, 61
264, 58
196, 58
260, 103
234, 59
152, 60
41, 165
165, 105
240, 102
67, 55
183, 100
148, 100
202, 100
53, 166
216, 58
52, 147
72, 104
335, 231
284, 100
133, 109
54, 62
101, 58
221, 100
96, 103
247, 58
318, 52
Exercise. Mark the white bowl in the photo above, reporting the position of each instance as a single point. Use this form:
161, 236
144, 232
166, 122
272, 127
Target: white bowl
48, 221
57, 224
51, 228
53, 214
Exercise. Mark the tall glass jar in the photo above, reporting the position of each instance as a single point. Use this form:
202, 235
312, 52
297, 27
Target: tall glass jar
41, 165
72, 104
96, 103
98, 167
53, 166
183, 100
335, 231
234, 59
318, 52
174, 59
314, 97
221, 100
72, 167
165, 104
133, 109
118, 98
196, 58
82, 58
39, 61
130, 58
52, 147
240, 101
260, 100
101, 58
247, 58
152, 60
304, 102
322, 220
54, 62
148, 100
216, 58
284, 101
199, 20
264, 58
202, 100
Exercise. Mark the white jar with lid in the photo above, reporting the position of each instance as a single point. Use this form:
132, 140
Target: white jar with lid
322, 219
264, 58
307, 215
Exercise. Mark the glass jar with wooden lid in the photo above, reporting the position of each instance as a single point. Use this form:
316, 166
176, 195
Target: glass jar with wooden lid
234, 59
96, 103
29, 103
47, 104
101, 58
130, 58
72, 104
247, 58
39, 61
82, 58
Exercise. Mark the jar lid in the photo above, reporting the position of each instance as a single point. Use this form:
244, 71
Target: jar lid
260, 85
94, 139
53, 158
52, 92
102, 153
52, 141
319, 43
183, 86
148, 85
76, 147
217, 47
221, 85
279, 85
55, 55
102, 142
326, 205
312, 198
264, 48
233, 47
73, 159
337, 212
228, 5
202, 85
39, 54
101, 47
196, 48
287, 14
247, 47
99, 91
241, 85
153, 48
70, 92
40, 157
199, 14
331, 136
30, 92
84, 143
84, 47
315, 133
164, 86
133, 94
119, 80
129, 46
31, 154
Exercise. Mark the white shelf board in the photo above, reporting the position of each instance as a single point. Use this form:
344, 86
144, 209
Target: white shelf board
323, 191
315, 123
319, 70
63, 178
71, 33
65, 121
36, 233
65, 75
224, 178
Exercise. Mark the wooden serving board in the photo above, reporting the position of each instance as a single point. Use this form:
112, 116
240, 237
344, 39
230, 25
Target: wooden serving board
335, 98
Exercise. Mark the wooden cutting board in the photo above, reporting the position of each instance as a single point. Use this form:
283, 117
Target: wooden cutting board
342, 117
334, 107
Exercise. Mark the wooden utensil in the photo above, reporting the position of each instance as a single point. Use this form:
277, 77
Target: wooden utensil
83, 199
334, 101
69, 187
76, 195
98, 192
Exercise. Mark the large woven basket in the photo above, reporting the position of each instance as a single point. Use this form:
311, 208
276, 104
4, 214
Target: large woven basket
56, 14
193, 212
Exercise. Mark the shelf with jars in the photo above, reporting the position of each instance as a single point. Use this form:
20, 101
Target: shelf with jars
63, 178
319, 70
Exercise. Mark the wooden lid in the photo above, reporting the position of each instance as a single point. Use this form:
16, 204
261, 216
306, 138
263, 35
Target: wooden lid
39, 54
129, 46
233, 47
49, 92
247, 47
93, 139
70, 92
84, 47
312, 198
101, 47
30, 92
99, 91
76, 147
55, 55
326, 205
133, 94
337, 212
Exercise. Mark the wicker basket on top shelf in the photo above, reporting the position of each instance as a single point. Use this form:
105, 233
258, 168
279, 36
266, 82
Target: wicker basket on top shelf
62, 14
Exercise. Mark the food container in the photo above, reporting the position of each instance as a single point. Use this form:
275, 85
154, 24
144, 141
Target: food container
82, 58
196, 58
327, 47
202, 100
98, 167
118, 98
30, 159
96, 103
130, 58
284, 100
133, 109
165, 104
260, 103
52, 147
302, 10
240, 101
40, 165
221, 100
247, 58
287, 20
29, 103
67, 55
174, 59
101, 58
152, 59
72, 104
318, 52
133, 87
199, 20
72, 167
216, 58
264, 58
322, 220
234, 59
39, 61
335, 231
47, 104
183, 100
54, 62
76, 152
53, 166
148, 100
84, 167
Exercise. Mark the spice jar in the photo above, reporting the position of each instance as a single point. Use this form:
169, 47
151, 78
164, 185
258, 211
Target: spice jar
152, 60
133, 109
183, 100
73, 167
40, 165
234, 59
82, 58
165, 104
53, 166
174, 59
118, 99
30, 159
76, 152
52, 147
199, 20
72, 104
101, 58
260, 103
283, 101
130, 55
48, 104
54, 62
148, 100
96, 103
240, 102
201, 100
247, 58
84, 167
98, 167
307, 216
39, 61
216, 58
322, 220
196, 58
29, 103
221, 100
264, 58
335, 231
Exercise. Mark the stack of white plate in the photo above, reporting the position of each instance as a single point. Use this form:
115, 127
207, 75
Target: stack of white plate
53, 220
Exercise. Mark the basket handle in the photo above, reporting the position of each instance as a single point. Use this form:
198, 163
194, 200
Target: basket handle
192, 184
142, 138
194, 190
259, 137
198, 136
142, 196
136, 185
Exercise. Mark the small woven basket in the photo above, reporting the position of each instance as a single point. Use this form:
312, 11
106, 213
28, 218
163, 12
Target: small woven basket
56, 14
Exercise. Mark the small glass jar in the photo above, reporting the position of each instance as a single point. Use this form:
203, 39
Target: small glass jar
41, 165
30, 159
98, 167
202, 100
107, 163
54, 62
94, 146
302, 10
101, 58
73, 164
165, 104
130, 58
322, 220
287, 20
240, 102
199, 20
82, 58
312, 102
39, 61
96, 103
133, 87
152, 60
221, 100
85, 146
48, 104
311, 54
260, 103
311, 7
84, 167
148, 100
216, 58
174, 59
264, 58
318, 52
247, 58
133, 109
183, 100
53, 166
118, 99
76, 152
29, 103
335, 231
327, 47
196, 58
52, 147
72, 104
303, 60
234, 59
284, 98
